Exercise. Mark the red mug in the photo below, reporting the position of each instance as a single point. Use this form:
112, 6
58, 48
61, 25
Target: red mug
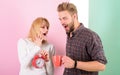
57, 60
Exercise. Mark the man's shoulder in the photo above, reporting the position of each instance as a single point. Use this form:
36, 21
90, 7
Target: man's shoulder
89, 31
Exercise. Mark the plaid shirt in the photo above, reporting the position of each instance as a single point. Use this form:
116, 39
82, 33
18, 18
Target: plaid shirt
85, 45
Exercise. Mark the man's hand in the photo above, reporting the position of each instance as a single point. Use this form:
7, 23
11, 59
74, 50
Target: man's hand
68, 62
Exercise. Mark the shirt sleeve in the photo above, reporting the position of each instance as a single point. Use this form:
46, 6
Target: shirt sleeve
49, 64
95, 49
25, 55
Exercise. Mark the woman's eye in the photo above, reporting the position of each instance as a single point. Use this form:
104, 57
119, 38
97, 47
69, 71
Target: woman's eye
42, 27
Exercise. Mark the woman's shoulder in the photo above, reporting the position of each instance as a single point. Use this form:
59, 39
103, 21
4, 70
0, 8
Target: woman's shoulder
48, 45
22, 40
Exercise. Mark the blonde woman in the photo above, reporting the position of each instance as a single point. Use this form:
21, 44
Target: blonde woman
36, 44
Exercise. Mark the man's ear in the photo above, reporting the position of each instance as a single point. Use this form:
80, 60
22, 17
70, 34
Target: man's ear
75, 16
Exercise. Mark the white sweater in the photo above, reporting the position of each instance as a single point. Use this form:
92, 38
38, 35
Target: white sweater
26, 52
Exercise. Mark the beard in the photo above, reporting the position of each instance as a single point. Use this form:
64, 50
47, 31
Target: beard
71, 27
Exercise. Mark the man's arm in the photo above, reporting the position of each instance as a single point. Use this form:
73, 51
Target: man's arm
87, 66
90, 66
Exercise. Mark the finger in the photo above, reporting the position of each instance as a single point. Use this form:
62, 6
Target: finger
44, 37
43, 52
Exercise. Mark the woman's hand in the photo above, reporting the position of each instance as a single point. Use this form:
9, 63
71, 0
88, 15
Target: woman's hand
40, 38
44, 54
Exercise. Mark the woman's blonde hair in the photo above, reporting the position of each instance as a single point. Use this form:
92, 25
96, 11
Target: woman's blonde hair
35, 27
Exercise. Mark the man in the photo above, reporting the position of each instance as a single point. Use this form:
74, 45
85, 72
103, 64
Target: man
84, 50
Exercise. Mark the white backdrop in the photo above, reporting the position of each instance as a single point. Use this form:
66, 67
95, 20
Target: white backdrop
83, 9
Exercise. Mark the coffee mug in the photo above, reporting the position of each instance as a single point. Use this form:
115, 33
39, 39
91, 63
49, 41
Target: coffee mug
57, 60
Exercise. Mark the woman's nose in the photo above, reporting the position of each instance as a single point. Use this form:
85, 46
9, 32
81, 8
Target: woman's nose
46, 29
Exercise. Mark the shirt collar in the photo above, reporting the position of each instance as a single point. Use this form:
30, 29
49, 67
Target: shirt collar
79, 28
76, 31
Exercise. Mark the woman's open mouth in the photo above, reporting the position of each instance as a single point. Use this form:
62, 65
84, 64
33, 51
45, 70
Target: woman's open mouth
44, 34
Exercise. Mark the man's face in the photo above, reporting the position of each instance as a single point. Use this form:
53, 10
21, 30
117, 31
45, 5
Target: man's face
67, 21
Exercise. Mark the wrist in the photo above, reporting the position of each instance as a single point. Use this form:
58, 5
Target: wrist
75, 64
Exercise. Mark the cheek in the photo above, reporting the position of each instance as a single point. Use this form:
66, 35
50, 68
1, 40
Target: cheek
69, 22
41, 30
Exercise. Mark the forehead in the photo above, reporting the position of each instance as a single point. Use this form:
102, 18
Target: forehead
62, 14
43, 24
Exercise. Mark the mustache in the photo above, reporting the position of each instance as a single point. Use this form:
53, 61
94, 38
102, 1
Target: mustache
64, 24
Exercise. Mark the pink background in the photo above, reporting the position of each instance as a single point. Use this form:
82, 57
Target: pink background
16, 17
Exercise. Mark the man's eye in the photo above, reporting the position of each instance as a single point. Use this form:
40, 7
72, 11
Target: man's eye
65, 18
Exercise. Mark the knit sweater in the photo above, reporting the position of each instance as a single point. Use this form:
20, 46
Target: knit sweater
27, 50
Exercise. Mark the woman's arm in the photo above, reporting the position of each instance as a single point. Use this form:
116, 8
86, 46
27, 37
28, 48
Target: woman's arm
25, 55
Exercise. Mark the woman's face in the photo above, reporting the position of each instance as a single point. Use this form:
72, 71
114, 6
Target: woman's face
44, 29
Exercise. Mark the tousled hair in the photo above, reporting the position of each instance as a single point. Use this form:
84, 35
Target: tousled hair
65, 6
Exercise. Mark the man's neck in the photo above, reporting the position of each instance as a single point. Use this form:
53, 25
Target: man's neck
76, 26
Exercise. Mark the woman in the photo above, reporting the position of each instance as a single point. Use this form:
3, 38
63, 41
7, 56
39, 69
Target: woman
36, 44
